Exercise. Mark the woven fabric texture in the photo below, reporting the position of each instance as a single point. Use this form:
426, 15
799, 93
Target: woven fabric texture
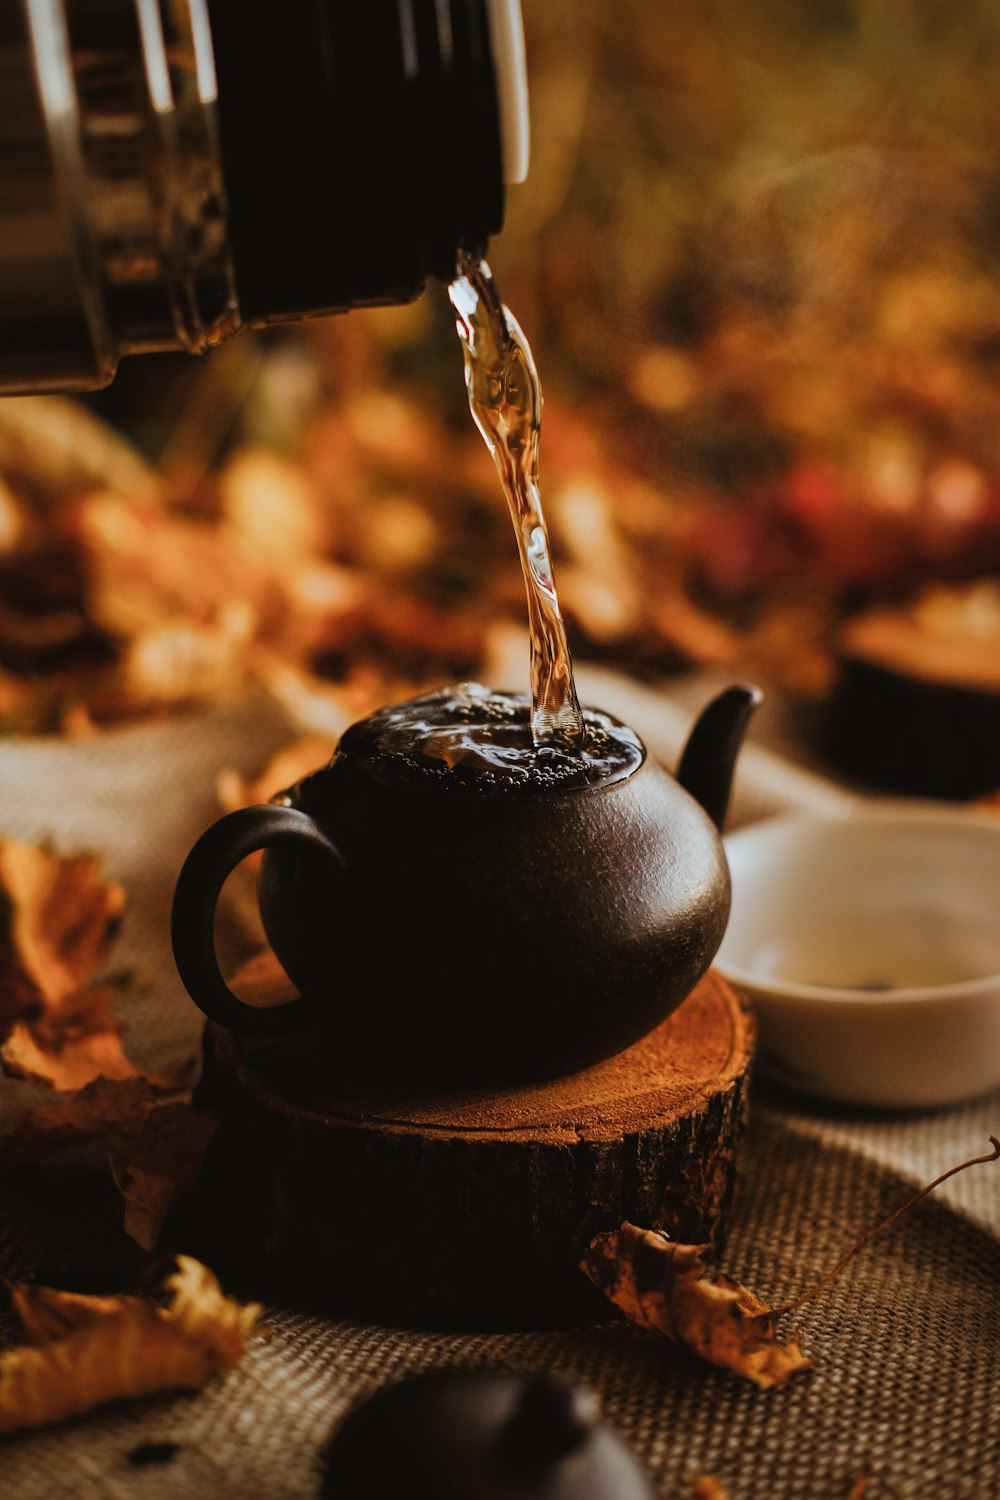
904, 1344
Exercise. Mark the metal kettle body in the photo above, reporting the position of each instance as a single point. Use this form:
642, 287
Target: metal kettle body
443, 938
173, 169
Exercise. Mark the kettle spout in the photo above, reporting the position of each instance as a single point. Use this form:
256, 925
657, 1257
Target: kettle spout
708, 760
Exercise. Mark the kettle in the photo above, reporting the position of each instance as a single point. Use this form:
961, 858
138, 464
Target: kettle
173, 169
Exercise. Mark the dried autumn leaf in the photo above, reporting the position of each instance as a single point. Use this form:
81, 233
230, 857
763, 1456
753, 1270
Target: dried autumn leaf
87, 1048
161, 1163
71, 1046
83, 1351
104, 1107
57, 1026
57, 917
661, 1285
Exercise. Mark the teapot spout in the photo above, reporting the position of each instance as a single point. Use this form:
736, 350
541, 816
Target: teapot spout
708, 760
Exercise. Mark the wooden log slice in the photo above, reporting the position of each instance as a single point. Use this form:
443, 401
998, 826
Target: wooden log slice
466, 1210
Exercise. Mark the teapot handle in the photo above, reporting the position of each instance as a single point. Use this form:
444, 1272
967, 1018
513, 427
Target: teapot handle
192, 924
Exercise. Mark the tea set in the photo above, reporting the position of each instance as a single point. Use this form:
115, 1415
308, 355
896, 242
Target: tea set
441, 941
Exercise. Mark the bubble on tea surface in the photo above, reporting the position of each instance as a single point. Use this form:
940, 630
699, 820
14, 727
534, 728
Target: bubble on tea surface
472, 738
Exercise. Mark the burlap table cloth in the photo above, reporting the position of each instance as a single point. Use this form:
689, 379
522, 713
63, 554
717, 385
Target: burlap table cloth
905, 1344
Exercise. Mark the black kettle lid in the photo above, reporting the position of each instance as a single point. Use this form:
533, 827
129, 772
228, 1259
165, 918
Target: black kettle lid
481, 1434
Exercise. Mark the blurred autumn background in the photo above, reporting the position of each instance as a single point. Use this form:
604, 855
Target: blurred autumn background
757, 260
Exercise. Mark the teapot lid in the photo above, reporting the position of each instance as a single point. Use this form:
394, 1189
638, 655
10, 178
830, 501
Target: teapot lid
481, 1434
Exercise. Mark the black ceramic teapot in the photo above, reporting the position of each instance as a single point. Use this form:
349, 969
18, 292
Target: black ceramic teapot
457, 909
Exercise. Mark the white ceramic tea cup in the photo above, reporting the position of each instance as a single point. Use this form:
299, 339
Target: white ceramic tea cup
869, 943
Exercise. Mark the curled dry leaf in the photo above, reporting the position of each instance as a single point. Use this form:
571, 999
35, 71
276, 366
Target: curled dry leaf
104, 1107
57, 1025
161, 1162
70, 1047
57, 917
662, 1286
83, 1351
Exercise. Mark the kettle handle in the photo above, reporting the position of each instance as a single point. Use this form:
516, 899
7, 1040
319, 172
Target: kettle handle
196, 896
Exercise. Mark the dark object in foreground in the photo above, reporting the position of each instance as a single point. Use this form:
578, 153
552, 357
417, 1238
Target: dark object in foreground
487, 1434
902, 734
916, 712
470, 1209
152, 1455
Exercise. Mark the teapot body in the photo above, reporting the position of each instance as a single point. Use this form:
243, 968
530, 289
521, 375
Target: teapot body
462, 908
476, 941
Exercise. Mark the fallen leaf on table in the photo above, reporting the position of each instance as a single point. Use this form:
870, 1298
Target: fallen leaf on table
104, 1107
72, 1046
320, 706
161, 1163
83, 1351
282, 770
661, 1285
57, 1024
57, 917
